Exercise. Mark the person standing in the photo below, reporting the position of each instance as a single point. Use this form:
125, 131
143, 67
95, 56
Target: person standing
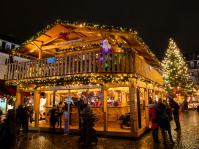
21, 116
30, 110
59, 114
163, 119
185, 103
9, 130
154, 122
53, 117
175, 107
0, 114
80, 106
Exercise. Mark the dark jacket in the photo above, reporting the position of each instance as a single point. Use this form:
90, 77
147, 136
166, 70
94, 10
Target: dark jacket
9, 130
1, 112
21, 115
163, 116
53, 115
176, 108
80, 105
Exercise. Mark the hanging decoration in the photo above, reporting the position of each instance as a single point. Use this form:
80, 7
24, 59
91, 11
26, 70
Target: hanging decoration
64, 35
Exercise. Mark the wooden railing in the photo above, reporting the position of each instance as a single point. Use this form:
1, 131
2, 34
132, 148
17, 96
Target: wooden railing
89, 62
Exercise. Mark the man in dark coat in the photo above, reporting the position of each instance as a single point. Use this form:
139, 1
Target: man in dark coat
80, 106
53, 117
22, 117
175, 107
163, 119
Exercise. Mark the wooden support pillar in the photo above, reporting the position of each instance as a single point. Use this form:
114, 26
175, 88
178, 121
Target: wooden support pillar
48, 100
146, 106
153, 96
104, 106
54, 92
133, 107
162, 95
22, 98
37, 93
18, 97
40, 54
87, 96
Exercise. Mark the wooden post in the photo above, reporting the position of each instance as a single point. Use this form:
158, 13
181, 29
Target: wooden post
153, 96
103, 63
113, 62
89, 62
109, 62
37, 93
45, 67
146, 106
69, 65
85, 63
54, 92
81, 63
133, 108
118, 62
98, 63
73, 64
87, 96
77, 64
65, 65
104, 106
62, 65
94, 62
58, 67
18, 96
40, 54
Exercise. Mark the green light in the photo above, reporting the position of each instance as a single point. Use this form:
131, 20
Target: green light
120, 56
106, 65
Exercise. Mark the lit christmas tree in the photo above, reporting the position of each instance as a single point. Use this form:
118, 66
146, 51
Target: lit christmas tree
175, 73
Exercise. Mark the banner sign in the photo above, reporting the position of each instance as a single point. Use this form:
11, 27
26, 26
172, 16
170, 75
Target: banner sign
68, 100
71, 42
51, 60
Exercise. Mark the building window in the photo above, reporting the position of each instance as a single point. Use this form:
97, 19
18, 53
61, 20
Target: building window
6, 61
191, 63
3, 45
13, 46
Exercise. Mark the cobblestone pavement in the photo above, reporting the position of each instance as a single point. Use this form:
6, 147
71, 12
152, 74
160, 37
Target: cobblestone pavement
188, 138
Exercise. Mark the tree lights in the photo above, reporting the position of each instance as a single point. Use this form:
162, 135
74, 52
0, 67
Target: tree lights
175, 73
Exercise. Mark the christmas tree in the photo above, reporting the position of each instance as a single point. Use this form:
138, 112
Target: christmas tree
175, 73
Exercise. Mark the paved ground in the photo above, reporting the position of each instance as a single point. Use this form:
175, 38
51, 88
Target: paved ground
188, 138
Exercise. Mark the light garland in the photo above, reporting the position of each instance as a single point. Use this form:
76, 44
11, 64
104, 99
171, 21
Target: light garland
77, 80
134, 33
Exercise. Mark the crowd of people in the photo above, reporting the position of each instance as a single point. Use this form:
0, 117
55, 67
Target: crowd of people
161, 115
10, 128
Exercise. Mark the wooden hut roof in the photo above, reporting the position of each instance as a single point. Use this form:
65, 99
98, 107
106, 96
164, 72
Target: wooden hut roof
90, 35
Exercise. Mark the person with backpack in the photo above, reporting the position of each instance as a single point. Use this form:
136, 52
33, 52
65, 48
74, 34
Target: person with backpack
175, 107
154, 122
163, 120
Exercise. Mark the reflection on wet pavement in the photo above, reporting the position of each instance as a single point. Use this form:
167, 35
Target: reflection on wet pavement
188, 137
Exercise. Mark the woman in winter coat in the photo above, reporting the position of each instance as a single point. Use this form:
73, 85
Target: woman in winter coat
154, 123
163, 119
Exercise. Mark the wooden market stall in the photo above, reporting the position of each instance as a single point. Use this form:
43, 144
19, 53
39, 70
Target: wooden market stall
111, 66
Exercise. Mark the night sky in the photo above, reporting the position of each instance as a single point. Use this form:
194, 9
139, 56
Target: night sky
155, 21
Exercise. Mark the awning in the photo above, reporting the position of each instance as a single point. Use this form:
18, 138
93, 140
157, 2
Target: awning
7, 90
